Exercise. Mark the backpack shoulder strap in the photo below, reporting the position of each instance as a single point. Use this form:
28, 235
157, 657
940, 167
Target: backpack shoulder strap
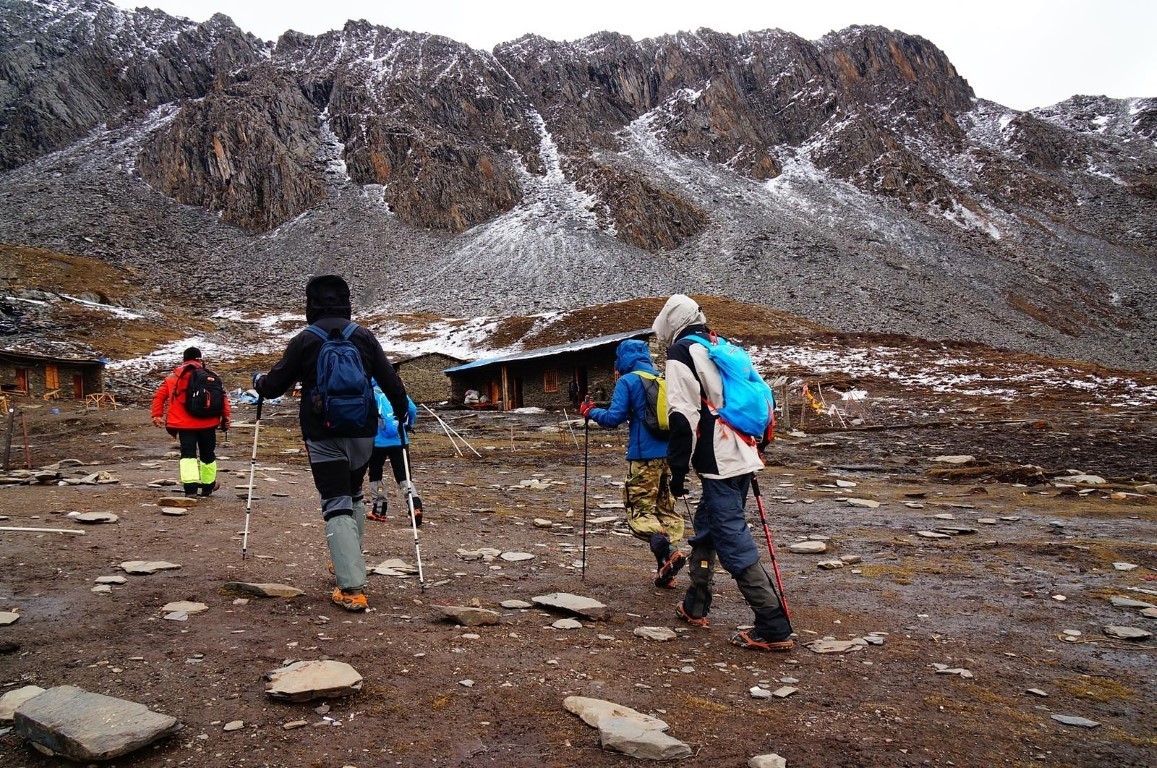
317, 332
349, 330
647, 375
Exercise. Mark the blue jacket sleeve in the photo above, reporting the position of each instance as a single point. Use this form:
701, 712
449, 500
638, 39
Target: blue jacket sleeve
620, 406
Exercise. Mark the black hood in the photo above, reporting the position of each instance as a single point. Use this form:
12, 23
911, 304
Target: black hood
326, 296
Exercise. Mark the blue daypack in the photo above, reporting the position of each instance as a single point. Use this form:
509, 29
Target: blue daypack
748, 402
344, 395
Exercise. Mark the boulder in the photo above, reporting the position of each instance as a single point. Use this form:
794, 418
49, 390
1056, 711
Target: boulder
305, 680
629, 736
468, 616
69, 722
593, 711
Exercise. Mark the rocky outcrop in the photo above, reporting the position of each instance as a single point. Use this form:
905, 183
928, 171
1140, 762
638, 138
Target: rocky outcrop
248, 150
67, 67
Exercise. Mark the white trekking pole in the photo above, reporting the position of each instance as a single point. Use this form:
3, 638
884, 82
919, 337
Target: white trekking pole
252, 470
410, 505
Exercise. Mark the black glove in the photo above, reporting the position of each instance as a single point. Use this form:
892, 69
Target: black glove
225, 424
257, 379
678, 484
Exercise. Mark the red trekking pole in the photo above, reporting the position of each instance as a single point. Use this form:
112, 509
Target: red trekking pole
770, 548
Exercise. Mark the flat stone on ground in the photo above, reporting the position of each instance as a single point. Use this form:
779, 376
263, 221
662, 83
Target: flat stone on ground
8, 617
10, 701
767, 761
1127, 633
88, 727
305, 680
808, 547
627, 735
147, 566
93, 518
661, 634
591, 711
264, 589
866, 503
177, 501
583, 606
184, 606
1081, 722
468, 616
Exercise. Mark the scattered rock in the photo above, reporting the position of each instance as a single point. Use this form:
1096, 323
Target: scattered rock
10, 701
184, 606
94, 518
147, 566
583, 606
1080, 722
294, 724
263, 589
1124, 566
1037, 692
867, 503
468, 616
516, 557
830, 565
957, 459
1080, 480
808, 547
661, 634
8, 617
516, 604
101, 589
117, 579
784, 692
306, 680
567, 624
830, 645
87, 727
944, 669
627, 735
1128, 602
850, 559
1127, 633
394, 567
234, 725
541, 522
173, 511
932, 535
758, 692
1149, 613
767, 761
593, 711
177, 501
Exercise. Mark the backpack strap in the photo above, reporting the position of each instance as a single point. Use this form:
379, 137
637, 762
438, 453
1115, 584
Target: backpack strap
317, 332
349, 330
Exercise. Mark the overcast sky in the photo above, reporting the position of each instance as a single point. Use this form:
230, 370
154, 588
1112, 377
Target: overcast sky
1020, 53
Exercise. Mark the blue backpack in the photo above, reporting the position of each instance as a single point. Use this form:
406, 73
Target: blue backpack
344, 395
748, 402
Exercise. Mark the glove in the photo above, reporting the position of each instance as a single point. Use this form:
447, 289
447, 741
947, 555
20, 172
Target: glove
678, 484
257, 379
158, 422
225, 424
586, 406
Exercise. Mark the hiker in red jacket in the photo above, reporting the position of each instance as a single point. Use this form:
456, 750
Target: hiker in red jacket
196, 435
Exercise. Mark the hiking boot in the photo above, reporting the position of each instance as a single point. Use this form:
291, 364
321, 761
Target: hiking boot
378, 512
669, 569
351, 601
666, 584
749, 640
700, 622
208, 488
417, 512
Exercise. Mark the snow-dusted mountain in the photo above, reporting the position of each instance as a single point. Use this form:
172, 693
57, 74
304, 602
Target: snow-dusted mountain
856, 180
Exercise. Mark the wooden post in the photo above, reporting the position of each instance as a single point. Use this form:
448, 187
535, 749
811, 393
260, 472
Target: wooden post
8, 436
27, 450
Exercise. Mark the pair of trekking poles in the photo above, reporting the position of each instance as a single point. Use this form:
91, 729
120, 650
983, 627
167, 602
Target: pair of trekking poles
409, 493
778, 586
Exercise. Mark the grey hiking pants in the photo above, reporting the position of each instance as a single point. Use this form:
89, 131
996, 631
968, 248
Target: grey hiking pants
338, 466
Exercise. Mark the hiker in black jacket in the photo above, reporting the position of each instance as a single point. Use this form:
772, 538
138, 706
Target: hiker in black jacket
338, 462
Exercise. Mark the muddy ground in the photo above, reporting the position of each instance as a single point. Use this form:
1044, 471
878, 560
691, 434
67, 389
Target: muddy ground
989, 602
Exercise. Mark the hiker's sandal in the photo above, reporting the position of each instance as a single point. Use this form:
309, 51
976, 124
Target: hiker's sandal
351, 601
700, 622
746, 640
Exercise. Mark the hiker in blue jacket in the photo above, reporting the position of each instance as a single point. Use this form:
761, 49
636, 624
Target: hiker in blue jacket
647, 493
389, 443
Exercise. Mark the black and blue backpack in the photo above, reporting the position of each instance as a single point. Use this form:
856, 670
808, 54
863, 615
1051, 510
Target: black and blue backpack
344, 397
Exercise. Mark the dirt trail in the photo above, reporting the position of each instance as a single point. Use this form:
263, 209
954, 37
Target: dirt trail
984, 601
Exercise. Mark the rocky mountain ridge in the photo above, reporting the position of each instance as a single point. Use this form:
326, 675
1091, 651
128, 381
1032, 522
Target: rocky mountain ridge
856, 180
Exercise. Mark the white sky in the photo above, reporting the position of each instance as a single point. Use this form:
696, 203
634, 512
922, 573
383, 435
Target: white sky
1019, 53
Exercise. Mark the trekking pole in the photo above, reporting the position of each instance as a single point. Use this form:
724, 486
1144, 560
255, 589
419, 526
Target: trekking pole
252, 470
586, 464
770, 548
410, 504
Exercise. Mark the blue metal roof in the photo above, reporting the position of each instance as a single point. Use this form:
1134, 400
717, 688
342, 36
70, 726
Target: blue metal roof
573, 346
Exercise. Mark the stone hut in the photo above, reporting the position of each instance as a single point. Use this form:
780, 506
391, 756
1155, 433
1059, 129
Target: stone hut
541, 377
49, 377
